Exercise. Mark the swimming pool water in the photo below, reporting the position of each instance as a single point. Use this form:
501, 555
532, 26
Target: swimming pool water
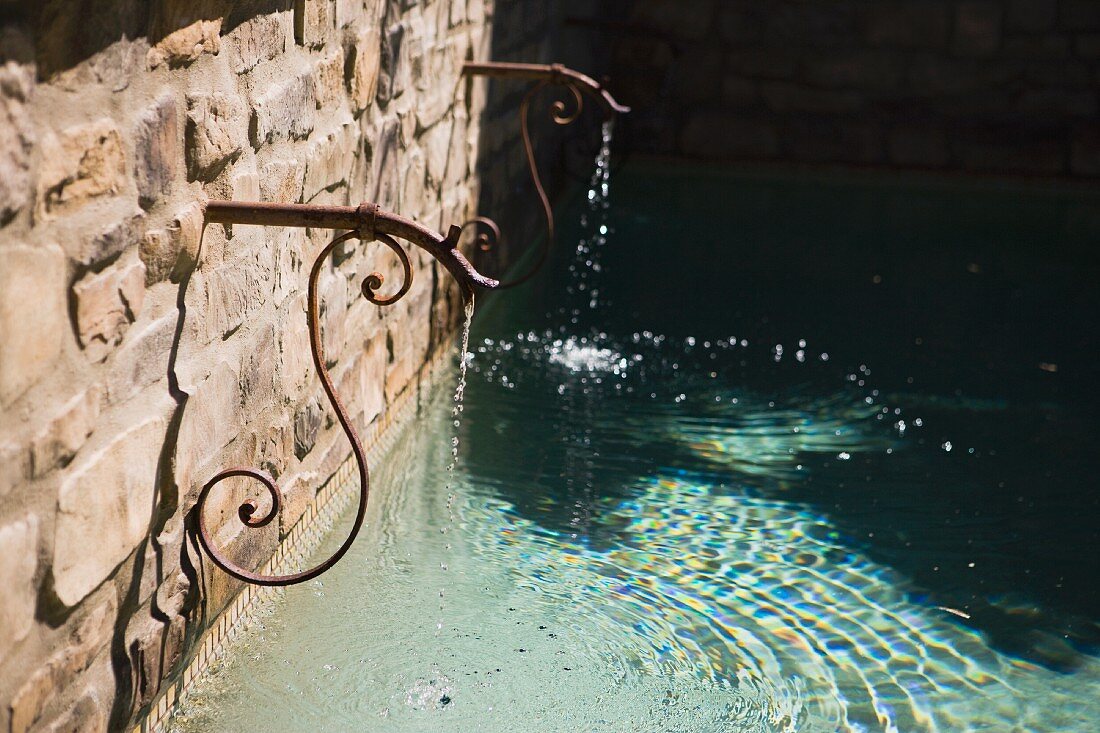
821, 458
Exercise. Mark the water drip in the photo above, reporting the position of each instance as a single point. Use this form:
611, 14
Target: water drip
583, 287
464, 357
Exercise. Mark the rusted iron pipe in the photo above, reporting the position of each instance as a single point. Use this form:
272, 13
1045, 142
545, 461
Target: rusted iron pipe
554, 73
546, 75
366, 218
366, 223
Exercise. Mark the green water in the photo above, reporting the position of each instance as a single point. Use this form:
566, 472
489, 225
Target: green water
780, 455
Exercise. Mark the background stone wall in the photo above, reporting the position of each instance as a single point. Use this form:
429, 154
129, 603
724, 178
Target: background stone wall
992, 86
140, 355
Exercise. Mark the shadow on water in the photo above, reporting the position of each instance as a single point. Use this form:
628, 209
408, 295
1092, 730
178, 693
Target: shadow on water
950, 434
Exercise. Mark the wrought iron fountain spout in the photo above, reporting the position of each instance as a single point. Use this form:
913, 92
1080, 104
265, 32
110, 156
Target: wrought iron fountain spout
545, 75
367, 223
551, 73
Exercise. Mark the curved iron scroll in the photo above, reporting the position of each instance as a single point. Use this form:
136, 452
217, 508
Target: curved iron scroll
444, 249
561, 113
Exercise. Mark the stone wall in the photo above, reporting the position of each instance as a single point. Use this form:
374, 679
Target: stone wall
140, 354
992, 86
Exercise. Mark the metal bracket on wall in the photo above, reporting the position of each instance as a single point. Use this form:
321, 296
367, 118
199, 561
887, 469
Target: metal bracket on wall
366, 223
545, 75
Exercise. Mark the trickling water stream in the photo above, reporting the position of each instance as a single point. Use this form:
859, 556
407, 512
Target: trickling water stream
464, 357
583, 286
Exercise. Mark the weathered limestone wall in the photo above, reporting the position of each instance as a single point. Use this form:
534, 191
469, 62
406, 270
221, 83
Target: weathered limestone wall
997, 86
140, 355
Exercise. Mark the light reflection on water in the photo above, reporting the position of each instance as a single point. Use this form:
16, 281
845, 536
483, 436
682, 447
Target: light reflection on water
692, 598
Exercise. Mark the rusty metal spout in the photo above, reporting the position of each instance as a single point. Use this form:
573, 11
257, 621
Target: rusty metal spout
545, 75
553, 73
367, 223
367, 219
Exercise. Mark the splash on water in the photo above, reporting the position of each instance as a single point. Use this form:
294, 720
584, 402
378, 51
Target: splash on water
577, 355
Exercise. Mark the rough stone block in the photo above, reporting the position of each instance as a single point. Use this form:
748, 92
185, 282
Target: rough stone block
143, 359
98, 529
316, 23
765, 62
87, 715
1085, 151
19, 548
157, 151
296, 365
1040, 46
437, 143
282, 180
786, 97
334, 307
998, 150
33, 316
864, 70
246, 183
59, 671
261, 38
328, 80
908, 24
1079, 15
977, 28
85, 162
364, 63
741, 24
1087, 46
62, 437
833, 139
670, 17
330, 160
16, 85
211, 418
186, 232
414, 191
108, 243
1060, 102
157, 255
704, 84
257, 376
716, 134
216, 131
922, 146
106, 304
936, 75
285, 111
183, 46
373, 384
307, 421
28, 703
1032, 16
16, 460
229, 295
458, 159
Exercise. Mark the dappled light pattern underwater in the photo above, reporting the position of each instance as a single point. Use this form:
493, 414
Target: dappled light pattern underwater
732, 587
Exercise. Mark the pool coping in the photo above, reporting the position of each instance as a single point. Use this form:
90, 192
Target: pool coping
328, 504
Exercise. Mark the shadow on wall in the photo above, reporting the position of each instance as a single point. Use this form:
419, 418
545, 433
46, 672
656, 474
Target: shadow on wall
999, 86
564, 154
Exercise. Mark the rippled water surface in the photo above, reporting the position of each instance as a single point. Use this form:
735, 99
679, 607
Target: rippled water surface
765, 455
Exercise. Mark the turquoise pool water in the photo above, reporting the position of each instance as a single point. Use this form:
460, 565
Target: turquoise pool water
781, 455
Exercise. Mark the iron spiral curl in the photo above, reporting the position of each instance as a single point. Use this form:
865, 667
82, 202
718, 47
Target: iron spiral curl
247, 510
488, 238
562, 113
